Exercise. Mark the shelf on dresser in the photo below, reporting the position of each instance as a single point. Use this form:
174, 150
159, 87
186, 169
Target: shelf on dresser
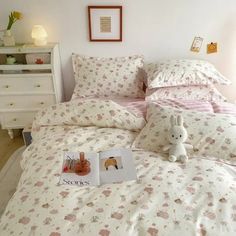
21, 110
27, 48
27, 93
25, 74
21, 67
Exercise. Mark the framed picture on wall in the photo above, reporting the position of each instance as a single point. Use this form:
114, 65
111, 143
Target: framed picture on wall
105, 23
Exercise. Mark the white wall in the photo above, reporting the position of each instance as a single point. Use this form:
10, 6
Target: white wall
155, 28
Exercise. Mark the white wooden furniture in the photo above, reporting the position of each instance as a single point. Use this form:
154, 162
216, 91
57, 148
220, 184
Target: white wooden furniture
25, 88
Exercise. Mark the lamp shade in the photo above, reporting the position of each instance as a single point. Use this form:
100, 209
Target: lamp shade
39, 34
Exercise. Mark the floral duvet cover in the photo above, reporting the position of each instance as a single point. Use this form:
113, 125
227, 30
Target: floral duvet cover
196, 198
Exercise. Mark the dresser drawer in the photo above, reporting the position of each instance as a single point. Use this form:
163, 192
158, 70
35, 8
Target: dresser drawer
43, 84
17, 119
26, 102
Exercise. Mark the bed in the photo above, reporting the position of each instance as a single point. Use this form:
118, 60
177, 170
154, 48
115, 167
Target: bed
193, 198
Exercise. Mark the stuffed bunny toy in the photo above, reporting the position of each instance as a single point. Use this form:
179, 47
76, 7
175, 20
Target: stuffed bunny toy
177, 136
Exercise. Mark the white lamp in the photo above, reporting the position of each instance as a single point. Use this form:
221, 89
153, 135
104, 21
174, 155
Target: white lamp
39, 34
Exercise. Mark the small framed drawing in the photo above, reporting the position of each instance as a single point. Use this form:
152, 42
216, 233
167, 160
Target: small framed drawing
197, 44
105, 23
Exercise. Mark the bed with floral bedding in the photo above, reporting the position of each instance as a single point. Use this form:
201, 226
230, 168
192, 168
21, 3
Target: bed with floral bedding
193, 198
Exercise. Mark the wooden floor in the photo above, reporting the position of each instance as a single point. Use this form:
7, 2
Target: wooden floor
8, 146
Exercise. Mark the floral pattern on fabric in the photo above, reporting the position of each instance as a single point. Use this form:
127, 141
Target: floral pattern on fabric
196, 198
108, 77
197, 92
88, 112
210, 134
183, 72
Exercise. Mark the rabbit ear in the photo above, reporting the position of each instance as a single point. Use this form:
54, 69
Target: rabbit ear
180, 120
172, 120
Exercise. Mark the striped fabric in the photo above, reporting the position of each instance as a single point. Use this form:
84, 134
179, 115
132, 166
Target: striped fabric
224, 107
139, 106
202, 106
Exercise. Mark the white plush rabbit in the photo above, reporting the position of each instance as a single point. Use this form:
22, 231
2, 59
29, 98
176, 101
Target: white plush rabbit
177, 136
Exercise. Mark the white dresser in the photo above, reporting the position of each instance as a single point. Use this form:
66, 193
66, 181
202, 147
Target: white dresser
29, 84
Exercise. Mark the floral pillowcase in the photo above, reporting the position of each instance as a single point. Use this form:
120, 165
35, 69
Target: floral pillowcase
108, 77
192, 92
212, 135
183, 72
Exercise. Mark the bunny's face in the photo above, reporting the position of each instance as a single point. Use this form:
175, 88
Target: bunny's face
177, 134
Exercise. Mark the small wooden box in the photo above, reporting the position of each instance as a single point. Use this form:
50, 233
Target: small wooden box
26, 133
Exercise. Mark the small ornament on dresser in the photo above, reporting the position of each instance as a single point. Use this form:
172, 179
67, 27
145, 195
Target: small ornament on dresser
11, 60
8, 38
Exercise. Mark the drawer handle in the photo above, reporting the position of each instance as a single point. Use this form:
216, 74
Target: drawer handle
41, 103
7, 86
38, 86
11, 104
14, 119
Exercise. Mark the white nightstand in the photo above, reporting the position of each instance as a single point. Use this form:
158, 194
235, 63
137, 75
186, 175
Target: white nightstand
25, 88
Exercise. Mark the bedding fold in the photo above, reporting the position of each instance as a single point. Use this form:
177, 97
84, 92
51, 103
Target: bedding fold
89, 112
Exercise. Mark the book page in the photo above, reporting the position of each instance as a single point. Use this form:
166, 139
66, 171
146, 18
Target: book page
80, 173
116, 165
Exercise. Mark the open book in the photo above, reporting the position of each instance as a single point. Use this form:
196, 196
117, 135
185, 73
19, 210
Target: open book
84, 169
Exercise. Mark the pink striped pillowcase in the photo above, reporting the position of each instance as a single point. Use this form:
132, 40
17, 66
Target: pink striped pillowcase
224, 107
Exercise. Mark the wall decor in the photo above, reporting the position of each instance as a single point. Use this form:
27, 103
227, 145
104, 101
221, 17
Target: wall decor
197, 44
211, 48
105, 23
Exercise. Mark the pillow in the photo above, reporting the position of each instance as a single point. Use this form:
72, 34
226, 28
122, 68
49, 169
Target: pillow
108, 77
183, 72
224, 107
210, 134
192, 92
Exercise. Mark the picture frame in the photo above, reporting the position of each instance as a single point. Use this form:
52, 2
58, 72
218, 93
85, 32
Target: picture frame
197, 44
105, 23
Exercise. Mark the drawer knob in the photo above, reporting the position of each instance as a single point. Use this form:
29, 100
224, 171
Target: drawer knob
14, 119
11, 104
7, 86
38, 86
41, 103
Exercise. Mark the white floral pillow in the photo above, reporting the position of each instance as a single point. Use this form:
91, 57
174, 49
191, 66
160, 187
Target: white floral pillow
108, 77
197, 92
212, 135
183, 72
